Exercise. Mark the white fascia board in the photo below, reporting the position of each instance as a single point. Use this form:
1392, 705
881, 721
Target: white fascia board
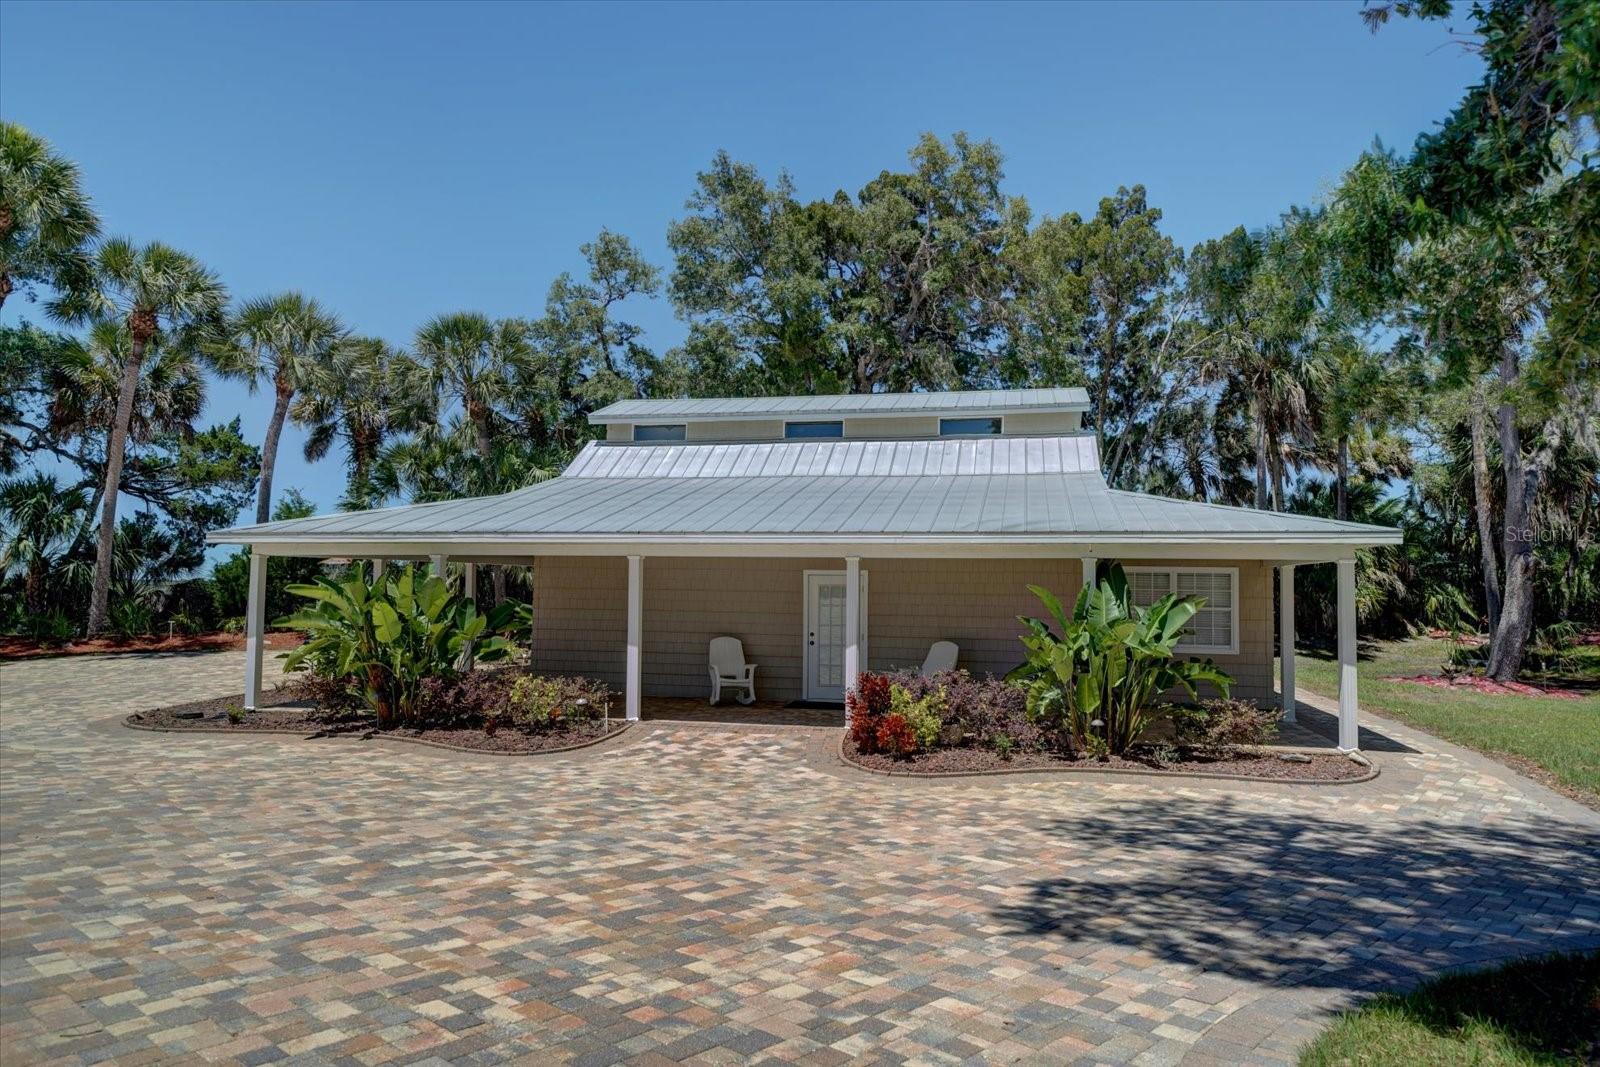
1275, 548
599, 419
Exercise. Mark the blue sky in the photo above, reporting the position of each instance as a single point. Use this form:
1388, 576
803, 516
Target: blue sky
401, 161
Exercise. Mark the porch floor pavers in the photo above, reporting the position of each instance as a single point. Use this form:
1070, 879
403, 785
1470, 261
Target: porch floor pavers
717, 894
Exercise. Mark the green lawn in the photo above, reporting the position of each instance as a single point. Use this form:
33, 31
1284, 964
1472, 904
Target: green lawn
1559, 737
1539, 1011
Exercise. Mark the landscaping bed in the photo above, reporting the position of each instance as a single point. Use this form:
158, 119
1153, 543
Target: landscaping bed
1248, 764
484, 711
953, 724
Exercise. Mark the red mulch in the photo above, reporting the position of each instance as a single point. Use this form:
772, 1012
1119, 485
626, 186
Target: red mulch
23, 648
1479, 684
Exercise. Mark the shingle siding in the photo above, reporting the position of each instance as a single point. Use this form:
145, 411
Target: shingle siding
580, 616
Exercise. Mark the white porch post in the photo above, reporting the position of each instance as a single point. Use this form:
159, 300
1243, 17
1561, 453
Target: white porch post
255, 626
1349, 737
377, 569
1090, 563
634, 686
1286, 638
469, 581
438, 560
852, 621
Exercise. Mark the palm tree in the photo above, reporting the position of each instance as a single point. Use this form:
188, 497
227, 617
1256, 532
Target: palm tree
169, 396
156, 292
42, 519
288, 341
474, 362
360, 397
1361, 401
46, 221
468, 360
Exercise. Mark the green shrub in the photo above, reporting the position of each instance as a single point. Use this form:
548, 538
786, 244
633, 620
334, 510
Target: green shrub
924, 716
50, 627
386, 639
191, 606
131, 618
1221, 726
537, 702
1108, 662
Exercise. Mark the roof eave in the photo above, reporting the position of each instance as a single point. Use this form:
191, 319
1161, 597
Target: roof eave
599, 418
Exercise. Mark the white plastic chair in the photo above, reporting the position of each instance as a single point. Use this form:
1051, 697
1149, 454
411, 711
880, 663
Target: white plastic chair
729, 670
941, 657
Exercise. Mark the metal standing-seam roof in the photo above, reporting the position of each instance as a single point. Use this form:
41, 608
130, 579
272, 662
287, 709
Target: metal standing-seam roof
986, 401
971, 488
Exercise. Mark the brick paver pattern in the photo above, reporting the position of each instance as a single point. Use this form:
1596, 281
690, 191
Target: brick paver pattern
703, 894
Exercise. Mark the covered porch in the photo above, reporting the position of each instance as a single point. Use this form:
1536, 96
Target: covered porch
640, 620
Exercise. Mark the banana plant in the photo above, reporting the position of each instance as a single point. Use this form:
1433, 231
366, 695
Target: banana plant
1095, 674
385, 639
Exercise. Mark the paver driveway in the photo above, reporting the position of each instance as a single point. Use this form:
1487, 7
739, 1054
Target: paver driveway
715, 896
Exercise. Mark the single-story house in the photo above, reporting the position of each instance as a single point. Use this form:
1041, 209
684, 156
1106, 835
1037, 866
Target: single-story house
832, 534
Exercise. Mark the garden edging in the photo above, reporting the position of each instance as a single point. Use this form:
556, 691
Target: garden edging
215, 731
1076, 769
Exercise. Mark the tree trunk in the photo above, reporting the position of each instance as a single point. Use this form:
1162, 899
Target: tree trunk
1523, 479
5, 287
33, 587
485, 446
269, 450
1261, 464
1341, 479
1484, 508
1277, 476
116, 445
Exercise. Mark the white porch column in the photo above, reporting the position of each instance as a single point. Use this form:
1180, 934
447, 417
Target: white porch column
1349, 736
377, 569
632, 682
469, 582
852, 621
1286, 638
438, 560
255, 627
1089, 565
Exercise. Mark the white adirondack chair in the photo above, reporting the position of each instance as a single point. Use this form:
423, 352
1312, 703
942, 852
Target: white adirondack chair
729, 670
941, 657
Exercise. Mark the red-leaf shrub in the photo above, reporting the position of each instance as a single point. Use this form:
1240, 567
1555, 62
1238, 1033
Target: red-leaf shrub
896, 737
867, 704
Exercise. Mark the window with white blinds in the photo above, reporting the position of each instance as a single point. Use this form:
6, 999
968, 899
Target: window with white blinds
1215, 627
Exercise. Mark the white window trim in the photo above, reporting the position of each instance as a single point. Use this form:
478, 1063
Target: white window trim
1184, 645
787, 422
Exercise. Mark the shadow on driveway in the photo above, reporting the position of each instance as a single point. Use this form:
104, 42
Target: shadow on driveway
1316, 901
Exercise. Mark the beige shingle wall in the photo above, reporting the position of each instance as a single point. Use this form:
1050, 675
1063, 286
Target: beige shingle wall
580, 616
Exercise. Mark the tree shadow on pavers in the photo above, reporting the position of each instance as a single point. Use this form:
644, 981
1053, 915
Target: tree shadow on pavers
1326, 725
1312, 900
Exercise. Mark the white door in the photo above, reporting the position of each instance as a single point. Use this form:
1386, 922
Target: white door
824, 649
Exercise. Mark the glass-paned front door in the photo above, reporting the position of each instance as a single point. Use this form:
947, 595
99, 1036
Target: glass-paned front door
825, 615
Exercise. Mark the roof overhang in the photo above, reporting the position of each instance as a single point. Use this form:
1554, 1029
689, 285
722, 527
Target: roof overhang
523, 549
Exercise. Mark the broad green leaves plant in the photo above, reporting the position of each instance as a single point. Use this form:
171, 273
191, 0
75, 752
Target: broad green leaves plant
386, 639
1108, 660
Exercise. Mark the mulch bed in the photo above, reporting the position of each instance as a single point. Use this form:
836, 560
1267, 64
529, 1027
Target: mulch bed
1248, 764
25, 648
1477, 683
286, 710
